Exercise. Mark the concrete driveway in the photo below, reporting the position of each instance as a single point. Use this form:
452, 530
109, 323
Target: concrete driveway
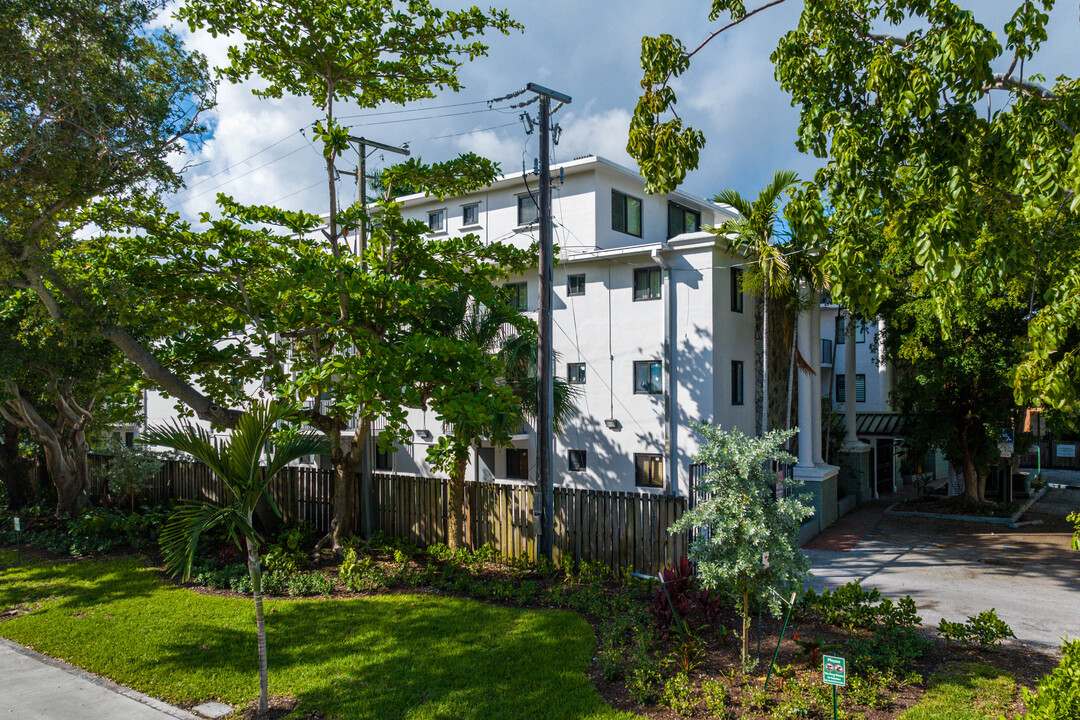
953, 569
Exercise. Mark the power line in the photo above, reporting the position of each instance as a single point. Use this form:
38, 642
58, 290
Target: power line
429, 108
234, 179
241, 162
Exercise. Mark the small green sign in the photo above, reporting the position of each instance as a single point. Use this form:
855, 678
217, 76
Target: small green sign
834, 670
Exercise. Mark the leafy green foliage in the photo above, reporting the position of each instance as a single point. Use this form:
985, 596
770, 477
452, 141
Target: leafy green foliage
1058, 694
850, 606
678, 694
744, 521
130, 471
891, 96
985, 629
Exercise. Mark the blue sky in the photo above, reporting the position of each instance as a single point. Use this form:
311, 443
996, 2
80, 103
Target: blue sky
585, 48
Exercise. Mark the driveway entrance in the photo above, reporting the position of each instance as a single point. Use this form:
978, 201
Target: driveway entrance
955, 569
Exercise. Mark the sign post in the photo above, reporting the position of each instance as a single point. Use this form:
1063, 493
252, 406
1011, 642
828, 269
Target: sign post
834, 672
18, 540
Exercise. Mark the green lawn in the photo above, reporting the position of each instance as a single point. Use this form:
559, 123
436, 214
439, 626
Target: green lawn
395, 656
965, 691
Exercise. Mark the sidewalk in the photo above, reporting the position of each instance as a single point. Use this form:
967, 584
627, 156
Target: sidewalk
848, 531
36, 687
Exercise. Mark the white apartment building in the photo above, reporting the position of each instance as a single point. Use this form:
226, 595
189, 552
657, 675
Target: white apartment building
632, 270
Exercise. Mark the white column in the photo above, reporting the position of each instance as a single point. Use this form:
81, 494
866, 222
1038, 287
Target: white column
806, 404
815, 381
849, 379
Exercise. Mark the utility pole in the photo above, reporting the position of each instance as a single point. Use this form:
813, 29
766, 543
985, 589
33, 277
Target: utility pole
545, 405
367, 510
362, 178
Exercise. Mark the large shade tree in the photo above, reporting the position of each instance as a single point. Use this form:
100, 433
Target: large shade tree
928, 87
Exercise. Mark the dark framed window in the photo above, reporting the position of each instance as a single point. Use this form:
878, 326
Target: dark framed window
647, 283
625, 214
860, 388
648, 378
384, 460
528, 210
649, 470
736, 290
129, 439
841, 331
470, 214
436, 220
576, 458
575, 373
517, 464
519, 295
575, 284
737, 397
681, 220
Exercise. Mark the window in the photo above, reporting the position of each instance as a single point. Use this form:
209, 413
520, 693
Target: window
436, 220
625, 214
682, 220
577, 460
129, 439
860, 388
737, 397
575, 373
841, 331
517, 464
519, 295
528, 210
384, 460
470, 214
736, 290
647, 283
647, 378
575, 284
649, 470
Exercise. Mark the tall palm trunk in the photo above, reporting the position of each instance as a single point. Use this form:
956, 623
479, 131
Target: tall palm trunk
260, 621
765, 359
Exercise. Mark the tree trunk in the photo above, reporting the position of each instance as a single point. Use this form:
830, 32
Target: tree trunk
746, 623
974, 486
69, 471
456, 501
255, 572
346, 457
765, 361
22, 488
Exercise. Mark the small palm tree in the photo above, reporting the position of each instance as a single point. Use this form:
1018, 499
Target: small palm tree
515, 352
236, 462
754, 233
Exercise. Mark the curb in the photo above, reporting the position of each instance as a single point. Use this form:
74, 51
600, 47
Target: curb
1010, 521
98, 680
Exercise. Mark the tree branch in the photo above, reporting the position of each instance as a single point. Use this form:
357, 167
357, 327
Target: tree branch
732, 24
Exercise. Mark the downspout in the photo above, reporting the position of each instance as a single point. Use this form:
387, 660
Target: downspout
670, 428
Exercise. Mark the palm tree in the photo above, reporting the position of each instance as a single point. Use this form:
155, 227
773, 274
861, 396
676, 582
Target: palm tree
501, 335
236, 462
753, 233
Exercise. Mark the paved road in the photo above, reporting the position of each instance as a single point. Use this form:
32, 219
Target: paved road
38, 688
953, 570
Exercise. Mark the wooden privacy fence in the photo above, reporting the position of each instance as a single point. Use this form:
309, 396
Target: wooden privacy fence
618, 529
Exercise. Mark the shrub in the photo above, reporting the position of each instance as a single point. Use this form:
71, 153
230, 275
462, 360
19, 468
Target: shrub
717, 698
219, 578
850, 606
288, 552
890, 649
643, 683
307, 584
1058, 694
130, 471
985, 629
678, 694
671, 600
